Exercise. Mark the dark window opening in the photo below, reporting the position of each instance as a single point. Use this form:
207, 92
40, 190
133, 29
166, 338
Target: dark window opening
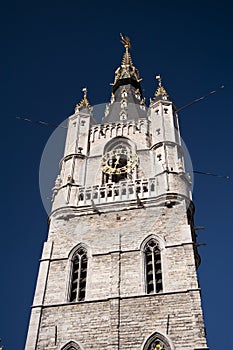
153, 268
109, 193
79, 276
157, 345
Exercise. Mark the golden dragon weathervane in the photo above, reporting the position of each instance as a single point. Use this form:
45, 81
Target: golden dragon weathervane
125, 41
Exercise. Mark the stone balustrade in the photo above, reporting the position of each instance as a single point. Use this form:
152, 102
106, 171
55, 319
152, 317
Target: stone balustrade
72, 194
112, 192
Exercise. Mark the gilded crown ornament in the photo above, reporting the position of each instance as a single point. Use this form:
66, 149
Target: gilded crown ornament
84, 103
127, 69
160, 89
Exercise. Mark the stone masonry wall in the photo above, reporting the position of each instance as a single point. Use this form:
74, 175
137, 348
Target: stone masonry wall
117, 309
101, 324
123, 232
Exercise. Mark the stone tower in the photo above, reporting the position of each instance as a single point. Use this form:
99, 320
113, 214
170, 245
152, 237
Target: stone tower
118, 270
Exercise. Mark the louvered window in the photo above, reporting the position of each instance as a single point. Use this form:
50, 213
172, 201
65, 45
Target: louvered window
154, 282
79, 276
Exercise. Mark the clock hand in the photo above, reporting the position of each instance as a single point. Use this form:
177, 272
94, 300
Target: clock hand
117, 161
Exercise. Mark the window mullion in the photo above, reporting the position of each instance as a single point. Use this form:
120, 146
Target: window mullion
153, 269
78, 278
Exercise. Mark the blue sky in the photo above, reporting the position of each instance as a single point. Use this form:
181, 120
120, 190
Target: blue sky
50, 51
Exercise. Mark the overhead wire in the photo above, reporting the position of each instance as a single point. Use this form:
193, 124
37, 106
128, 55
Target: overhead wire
41, 122
211, 174
199, 99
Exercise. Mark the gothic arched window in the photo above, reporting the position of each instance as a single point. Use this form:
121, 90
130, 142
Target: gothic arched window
154, 283
71, 346
123, 104
157, 342
78, 275
124, 93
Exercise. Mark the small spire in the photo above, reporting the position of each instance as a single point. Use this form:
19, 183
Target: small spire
160, 89
127, 60
84, 103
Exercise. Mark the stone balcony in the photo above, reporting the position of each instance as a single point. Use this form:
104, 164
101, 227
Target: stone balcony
79, 196
76, 196
111, 192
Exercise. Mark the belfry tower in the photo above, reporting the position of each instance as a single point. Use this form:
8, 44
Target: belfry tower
118, 270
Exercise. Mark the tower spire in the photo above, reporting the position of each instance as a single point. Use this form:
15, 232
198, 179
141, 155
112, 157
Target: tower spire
127, 72
127, 60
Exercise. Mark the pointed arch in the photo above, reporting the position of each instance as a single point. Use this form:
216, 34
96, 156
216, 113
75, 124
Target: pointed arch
156, 237
124, 130
153, 266
130, 129
119, 130
119, 141
108, 132
78, 273
71, 345
76, 247
95, 134
157, 341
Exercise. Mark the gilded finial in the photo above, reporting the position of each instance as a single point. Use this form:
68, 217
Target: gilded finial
84, 103
158, 77
127, 60
160, 89
84, 90
127, 69
125, 41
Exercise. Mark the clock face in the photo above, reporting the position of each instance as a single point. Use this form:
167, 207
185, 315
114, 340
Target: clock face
119, 161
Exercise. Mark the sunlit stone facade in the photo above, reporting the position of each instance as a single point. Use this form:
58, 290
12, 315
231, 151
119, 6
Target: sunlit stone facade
118, 270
